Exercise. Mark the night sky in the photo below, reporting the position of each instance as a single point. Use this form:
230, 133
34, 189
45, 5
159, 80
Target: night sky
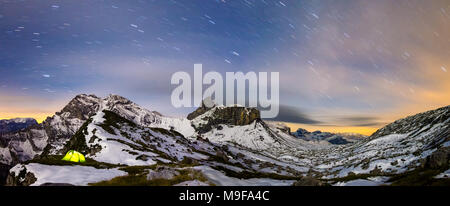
349, 66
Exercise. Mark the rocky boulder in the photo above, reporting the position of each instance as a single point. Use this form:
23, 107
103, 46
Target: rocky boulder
162, 173
4, 171
23, 178
439, 159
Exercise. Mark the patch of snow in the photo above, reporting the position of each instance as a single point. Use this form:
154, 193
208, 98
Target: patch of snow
388, 139
181, 125
76, 175
445, 174
373, 181
220, 179
16, 169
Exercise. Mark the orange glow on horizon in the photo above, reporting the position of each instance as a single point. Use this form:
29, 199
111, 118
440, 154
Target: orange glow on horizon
333, 129
40, 117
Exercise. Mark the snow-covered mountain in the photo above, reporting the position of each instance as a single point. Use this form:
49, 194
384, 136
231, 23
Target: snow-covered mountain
340, 138
50, 136
121, 134
222, 145
16, 124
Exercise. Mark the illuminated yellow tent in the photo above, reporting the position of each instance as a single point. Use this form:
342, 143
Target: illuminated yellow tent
74, 156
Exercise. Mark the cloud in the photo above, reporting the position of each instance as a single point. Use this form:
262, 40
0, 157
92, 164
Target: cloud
360, 121
294, 115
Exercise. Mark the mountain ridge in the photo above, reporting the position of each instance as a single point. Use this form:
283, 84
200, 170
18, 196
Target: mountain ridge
333, 138
235, 142
15, 124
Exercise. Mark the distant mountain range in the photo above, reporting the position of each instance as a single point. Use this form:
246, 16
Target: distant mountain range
219, 146
14, 125
340, 138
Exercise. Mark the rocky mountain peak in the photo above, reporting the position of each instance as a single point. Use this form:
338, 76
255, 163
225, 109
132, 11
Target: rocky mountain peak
113, 99
84, 106
204, 119
130, 110
81, 107
202, 109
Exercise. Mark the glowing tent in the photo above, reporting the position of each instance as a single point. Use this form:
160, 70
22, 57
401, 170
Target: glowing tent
74, 156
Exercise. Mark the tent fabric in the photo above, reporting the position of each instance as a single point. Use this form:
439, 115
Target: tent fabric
74, 156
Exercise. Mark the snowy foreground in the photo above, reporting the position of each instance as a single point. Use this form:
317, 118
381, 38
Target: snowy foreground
75, 175
83, 175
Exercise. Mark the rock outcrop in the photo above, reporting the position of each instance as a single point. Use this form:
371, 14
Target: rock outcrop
24, 178
209, 118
